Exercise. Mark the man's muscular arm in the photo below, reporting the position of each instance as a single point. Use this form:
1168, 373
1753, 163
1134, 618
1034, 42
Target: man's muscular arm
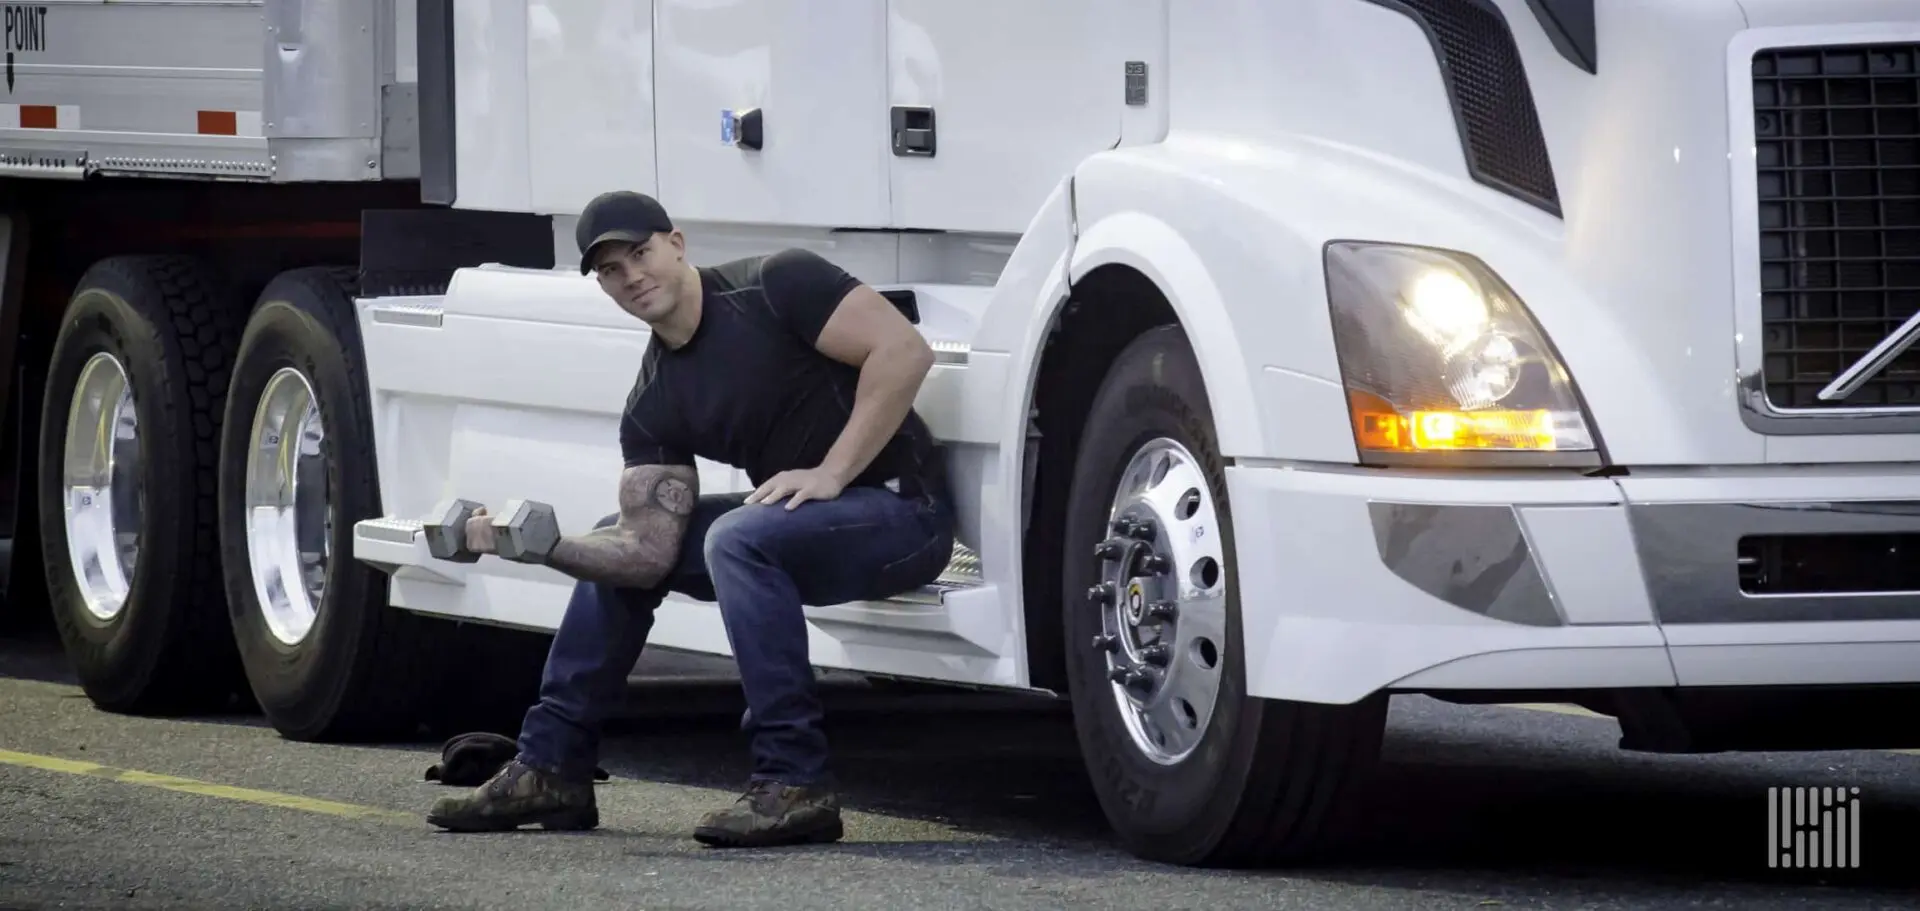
865, 331
641, 549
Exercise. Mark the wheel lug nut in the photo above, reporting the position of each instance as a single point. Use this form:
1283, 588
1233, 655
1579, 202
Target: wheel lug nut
1142, 530
1103, 593
1156, 655
1110, 549
1137, 680
1152, 564
1161, 610
1106, 642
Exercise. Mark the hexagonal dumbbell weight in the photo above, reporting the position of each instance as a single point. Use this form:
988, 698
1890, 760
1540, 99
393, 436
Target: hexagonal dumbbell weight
446, 531
525, 531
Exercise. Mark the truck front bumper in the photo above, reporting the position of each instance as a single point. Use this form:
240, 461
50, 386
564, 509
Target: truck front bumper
1353, 580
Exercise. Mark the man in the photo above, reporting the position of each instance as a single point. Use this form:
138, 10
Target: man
790, 369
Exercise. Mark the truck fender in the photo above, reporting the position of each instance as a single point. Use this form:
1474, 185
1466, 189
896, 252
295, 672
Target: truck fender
1148, 245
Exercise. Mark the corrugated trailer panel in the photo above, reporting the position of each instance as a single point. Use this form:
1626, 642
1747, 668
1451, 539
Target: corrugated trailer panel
282, 90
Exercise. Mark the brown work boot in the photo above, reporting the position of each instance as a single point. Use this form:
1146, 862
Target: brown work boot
770, 814
515, 796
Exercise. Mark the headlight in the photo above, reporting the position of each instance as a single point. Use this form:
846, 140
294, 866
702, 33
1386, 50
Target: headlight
1441, 359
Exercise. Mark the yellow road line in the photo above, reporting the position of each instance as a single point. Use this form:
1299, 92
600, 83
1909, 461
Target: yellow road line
206, 789
872, 827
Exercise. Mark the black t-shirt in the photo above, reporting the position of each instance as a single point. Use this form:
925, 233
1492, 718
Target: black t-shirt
749, 389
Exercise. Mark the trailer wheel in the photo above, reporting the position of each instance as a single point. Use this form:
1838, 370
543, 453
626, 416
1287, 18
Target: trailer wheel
127, 485
1188, 767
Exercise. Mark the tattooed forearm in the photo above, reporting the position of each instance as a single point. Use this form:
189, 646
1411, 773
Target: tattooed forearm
611, 555
639, 551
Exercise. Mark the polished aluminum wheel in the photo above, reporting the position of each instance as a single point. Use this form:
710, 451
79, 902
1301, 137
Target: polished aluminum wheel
1163, 601
289, 515
102, 481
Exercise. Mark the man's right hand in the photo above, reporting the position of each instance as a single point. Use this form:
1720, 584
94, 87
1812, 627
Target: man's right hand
480, 532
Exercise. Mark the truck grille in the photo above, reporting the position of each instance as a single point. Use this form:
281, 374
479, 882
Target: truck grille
1837, 142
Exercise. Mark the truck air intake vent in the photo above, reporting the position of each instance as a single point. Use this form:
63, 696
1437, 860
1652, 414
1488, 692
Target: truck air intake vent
1492, 102
1837, 156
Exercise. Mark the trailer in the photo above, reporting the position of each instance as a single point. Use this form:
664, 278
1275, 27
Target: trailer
1290, 356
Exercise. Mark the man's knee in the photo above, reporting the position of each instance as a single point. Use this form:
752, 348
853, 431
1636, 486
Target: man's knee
730, 537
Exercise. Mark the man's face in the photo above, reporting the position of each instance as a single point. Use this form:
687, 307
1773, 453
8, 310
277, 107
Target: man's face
644, 278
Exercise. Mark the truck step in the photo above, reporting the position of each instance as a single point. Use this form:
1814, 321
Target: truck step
962, 572
398, 547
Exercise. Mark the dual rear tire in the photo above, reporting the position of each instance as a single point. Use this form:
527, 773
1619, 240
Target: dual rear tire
201, 470
128, 487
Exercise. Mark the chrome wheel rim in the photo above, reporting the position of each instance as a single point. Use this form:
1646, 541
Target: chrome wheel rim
103, 486
289, 514
1162, 594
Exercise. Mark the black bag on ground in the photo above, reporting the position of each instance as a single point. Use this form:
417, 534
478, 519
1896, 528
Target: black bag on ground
468, 760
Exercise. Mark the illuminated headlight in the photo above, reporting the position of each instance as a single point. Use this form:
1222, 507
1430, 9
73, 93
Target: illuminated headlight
1441, 359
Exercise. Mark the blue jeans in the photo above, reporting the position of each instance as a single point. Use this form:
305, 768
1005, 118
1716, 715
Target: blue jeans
761, 563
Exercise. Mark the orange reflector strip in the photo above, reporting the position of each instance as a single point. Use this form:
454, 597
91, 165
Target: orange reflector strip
219, 123
1378, 426
39, 117
1482, 430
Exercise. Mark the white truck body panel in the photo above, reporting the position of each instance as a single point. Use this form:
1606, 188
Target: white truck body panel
819, 77
613, 98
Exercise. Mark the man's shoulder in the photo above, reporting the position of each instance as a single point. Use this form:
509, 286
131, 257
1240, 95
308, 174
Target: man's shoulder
778, 267
795, 288
804, 285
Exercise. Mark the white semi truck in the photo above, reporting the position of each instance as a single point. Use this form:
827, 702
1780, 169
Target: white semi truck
1292, 354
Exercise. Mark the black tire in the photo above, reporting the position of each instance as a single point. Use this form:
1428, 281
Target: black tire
1268, 781
364, 670
351, 676
171, 324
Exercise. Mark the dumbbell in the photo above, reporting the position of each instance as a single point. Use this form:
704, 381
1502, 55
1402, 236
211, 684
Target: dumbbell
447, 531
525, 531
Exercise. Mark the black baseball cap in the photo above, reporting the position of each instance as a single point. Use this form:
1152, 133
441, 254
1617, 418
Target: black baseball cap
618, 215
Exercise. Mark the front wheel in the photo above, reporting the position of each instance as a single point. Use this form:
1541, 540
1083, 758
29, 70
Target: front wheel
1188, 767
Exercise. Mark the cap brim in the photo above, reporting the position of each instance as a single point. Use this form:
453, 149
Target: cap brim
620, 234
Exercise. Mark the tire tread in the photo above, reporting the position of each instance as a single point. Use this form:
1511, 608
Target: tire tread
196, 666
405, 673
390, 662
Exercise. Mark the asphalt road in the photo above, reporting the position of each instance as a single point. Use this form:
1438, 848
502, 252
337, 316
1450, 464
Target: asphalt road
980, 804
